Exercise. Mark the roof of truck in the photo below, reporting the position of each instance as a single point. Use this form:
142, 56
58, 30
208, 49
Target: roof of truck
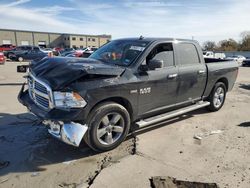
152, 39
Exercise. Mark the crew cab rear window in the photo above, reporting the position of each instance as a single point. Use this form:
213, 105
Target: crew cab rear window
187, 54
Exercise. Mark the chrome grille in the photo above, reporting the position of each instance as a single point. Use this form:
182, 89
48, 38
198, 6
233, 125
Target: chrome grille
40, 93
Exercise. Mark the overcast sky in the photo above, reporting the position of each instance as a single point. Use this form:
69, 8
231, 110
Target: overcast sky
203, 19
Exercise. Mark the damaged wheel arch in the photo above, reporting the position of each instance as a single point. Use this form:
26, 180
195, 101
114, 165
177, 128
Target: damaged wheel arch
120, 100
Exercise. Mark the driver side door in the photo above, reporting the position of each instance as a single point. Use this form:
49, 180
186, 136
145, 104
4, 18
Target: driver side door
158, 87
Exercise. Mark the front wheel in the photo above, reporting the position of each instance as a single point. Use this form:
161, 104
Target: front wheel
109, 125
217, 97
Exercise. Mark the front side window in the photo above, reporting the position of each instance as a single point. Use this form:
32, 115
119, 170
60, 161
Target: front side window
163, 52
120, 52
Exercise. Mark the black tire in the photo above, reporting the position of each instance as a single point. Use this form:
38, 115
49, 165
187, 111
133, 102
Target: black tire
9, 55
102, 118
216, 103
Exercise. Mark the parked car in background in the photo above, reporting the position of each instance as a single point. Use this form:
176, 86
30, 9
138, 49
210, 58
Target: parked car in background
238, 58
56, 51
246, 62
84, 52
17, 50
34, 54
6, 47
217, 55
71, 55
46, 50
65, 53
88, 51
2, 58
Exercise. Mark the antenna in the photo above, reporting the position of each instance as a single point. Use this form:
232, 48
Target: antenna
141, 37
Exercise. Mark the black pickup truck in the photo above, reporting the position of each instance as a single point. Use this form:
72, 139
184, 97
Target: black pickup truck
127, 82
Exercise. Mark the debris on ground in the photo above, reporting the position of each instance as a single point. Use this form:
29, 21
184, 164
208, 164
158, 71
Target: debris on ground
3, 181
169, 182
200, 136
35, 174
69, 162
4, 164
68, 185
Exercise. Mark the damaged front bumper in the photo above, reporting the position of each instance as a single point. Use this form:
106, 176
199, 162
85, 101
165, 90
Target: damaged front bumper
62, 123
70, 133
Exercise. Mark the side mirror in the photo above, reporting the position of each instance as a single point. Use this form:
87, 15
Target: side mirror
155, 64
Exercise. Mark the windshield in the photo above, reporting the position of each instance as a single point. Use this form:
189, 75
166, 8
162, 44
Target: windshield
120, 52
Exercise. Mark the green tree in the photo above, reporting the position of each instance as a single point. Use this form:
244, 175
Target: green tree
228, 45
209, 46
245, 41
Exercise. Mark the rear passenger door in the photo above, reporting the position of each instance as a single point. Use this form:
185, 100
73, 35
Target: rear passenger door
192, 73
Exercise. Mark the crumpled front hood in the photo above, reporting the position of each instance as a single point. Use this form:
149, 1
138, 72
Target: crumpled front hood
60, 71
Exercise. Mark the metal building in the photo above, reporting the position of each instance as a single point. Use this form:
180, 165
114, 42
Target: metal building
48, 39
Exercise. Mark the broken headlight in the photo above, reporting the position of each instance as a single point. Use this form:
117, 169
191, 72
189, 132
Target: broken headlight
68, 100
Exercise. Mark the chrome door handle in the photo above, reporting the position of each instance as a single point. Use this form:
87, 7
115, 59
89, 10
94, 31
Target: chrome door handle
172, 76
201, 71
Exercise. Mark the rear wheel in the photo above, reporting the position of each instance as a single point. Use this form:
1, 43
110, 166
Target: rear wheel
108, 126
217, 97
9, 55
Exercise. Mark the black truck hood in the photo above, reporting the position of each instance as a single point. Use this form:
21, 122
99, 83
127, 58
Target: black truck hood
58, 72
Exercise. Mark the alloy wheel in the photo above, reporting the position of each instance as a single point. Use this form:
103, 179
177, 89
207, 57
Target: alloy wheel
219, 97
110, 128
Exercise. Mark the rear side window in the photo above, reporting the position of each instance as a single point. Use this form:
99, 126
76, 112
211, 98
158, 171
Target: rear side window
26, 47
163, 52
188, 54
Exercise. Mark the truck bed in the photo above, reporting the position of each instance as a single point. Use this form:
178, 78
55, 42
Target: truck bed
214, 60
219, 69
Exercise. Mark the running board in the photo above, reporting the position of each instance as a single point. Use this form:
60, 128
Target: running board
168, 115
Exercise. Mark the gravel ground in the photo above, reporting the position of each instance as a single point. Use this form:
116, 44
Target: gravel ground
30, 157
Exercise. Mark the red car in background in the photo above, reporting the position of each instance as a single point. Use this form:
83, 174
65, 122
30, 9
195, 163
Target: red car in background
6, 47
2, 58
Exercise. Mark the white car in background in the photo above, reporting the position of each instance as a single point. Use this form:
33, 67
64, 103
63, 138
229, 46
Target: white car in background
237, 58
216, 55
46, 50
